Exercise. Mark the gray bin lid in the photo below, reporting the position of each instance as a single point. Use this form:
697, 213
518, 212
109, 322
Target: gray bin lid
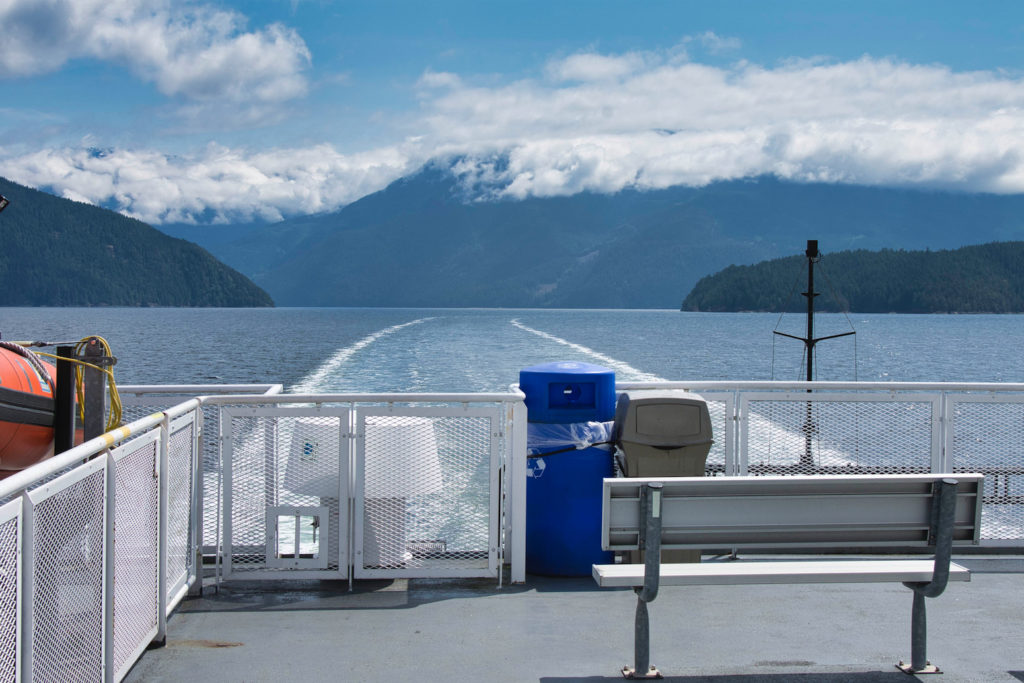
662, 418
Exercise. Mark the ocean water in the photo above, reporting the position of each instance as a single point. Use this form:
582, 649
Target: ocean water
384, 349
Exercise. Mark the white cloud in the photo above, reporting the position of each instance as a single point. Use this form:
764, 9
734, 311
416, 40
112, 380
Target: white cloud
594, 67
191, 51
604, 123
232, 185
656, 122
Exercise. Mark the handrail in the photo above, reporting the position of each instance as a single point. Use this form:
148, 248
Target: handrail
718, 385
26, 477
198, 389
443, 397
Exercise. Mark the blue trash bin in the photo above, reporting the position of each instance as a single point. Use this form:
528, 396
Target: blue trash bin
569, 405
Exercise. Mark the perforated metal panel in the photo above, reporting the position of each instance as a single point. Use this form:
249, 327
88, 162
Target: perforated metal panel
833, 433
10, 601
721, 407
67, 519
426, 492
279, 457
987, 433
136, 551
181, 455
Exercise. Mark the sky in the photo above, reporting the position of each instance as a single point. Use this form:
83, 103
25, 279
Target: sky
233, 111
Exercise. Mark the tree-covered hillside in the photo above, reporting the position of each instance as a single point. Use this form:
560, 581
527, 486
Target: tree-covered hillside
987, 278
62, 253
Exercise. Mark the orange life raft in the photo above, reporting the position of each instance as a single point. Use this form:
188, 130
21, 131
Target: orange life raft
26, 408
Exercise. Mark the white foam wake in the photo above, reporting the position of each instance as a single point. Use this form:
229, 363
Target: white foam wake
625, 370
313, 382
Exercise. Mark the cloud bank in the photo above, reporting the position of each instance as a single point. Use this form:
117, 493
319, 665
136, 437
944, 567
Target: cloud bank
604, 123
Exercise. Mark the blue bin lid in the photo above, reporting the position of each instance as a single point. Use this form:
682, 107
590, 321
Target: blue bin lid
568, 391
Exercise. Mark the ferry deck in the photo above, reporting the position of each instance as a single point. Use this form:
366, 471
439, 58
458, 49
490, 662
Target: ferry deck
145, 554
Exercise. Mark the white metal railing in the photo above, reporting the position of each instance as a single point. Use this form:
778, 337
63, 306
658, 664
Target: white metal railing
97, 546
370, 485
847, 427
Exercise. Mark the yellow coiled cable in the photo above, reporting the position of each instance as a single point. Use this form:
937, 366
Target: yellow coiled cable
114, 416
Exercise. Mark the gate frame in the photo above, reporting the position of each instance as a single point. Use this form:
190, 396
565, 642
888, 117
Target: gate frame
495, 415
344, 413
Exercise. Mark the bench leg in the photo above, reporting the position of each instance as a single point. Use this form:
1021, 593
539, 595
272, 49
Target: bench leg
641, 645
650, 543
919, 663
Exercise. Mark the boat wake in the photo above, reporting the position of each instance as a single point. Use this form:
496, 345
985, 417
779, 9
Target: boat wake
623, 369
316, 379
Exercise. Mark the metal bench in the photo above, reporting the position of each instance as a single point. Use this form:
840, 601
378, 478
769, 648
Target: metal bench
812, 513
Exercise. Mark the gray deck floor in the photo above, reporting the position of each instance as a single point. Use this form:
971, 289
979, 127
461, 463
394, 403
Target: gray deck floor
567, 630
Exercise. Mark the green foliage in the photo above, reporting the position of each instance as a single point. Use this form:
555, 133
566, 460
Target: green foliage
987, 278
62, 253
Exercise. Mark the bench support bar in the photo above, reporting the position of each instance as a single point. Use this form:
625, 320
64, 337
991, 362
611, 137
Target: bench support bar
943, 514
650, 543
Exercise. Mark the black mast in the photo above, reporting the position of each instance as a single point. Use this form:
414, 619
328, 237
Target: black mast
813, 256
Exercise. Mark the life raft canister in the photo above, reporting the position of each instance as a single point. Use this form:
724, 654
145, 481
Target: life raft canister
26, 411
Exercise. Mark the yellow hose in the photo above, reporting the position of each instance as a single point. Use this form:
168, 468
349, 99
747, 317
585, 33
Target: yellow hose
114, 416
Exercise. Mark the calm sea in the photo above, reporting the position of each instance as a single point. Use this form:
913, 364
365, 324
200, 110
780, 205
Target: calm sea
365, 349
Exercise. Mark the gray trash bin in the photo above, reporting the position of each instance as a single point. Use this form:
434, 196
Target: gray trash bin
663, 433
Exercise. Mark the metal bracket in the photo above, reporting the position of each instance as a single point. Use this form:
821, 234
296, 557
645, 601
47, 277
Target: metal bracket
630, 673
909, 669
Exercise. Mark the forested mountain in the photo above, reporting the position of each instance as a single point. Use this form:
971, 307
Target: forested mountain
57, 252
429, 240
987, 278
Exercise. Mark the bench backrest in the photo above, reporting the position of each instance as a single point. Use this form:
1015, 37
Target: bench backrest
818, 511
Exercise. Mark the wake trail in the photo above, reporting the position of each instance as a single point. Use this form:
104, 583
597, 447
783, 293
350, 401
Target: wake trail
312, 382
619, 366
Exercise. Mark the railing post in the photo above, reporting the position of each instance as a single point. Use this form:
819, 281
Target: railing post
28, 584
162, 511
196, 516
110, 513
517, 487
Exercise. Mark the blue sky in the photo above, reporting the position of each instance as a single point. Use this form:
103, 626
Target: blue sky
263, 109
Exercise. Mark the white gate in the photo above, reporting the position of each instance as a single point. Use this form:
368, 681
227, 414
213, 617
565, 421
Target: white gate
427, 492
286, 492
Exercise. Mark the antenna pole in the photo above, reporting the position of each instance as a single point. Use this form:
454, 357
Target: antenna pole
812, 258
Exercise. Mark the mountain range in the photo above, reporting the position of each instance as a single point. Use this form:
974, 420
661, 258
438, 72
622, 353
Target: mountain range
429, 240
432, 240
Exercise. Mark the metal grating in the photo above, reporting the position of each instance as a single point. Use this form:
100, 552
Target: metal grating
838, 435
67, 564
136, 551
721, 424
986, 433
287, 457
427, 485
9, 580
179, 503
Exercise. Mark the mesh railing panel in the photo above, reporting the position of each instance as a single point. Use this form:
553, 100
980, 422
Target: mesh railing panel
278, 461
986, 438
9, 581
179, 505
67, 563
136, 552
838, 436
721, 421
426, 486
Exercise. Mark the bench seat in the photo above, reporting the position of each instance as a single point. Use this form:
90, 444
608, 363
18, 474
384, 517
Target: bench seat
740, 572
